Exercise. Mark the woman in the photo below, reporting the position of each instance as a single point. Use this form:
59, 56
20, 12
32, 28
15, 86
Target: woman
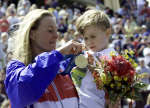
32, 80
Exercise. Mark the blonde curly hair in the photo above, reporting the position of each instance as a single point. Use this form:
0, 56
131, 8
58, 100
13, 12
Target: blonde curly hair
92, 17
22, 50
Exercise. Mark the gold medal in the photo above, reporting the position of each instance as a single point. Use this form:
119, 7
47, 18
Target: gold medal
81, 61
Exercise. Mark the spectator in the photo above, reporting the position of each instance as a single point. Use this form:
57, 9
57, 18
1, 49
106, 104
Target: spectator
23, 7
13, 19
148, 24
140, 47
34, 6
62, 27
3, 48
4, 24
144, 70
128, 45
2, 9
146, 52
130, 25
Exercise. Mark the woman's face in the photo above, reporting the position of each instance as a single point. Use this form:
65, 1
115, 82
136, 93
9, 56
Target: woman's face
44, 38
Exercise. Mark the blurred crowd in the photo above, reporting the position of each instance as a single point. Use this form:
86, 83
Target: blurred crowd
130, 30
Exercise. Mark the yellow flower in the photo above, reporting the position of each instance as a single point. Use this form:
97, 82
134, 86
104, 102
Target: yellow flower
126, 51
130, 60
103, 77
112, 53
119, 84
125, 78
105, 82
131, 52
116, 78
135, 65
112, 85
126, 56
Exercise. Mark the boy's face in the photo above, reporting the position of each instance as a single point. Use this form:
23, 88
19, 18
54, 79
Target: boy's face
95, 38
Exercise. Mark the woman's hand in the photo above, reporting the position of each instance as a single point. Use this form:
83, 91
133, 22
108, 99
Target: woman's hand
71, 47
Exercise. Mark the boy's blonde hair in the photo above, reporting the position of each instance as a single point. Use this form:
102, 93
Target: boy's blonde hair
92, 17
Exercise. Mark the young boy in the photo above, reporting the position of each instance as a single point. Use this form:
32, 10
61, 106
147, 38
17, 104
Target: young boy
95, 27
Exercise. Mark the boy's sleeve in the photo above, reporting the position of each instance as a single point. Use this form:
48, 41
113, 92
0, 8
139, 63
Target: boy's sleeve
26, 84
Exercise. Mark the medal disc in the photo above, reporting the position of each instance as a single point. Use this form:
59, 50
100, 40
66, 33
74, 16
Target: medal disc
81, 61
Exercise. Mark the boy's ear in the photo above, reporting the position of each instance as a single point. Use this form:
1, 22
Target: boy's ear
108, 31
32, 35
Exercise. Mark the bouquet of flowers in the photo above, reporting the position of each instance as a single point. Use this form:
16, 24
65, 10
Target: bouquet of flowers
116, 76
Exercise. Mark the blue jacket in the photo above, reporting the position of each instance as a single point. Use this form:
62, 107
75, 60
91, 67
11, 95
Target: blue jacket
26, 84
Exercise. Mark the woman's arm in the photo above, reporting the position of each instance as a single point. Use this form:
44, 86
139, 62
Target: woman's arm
26, 84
